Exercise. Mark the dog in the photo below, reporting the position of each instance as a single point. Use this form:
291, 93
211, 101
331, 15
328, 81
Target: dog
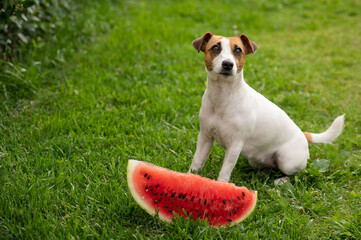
242, 120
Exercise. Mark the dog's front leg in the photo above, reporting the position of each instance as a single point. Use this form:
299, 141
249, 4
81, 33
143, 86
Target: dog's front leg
204, 145
230, 160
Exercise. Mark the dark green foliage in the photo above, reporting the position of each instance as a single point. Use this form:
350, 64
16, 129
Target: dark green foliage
24, 22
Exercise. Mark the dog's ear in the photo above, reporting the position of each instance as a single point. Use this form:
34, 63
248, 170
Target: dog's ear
200, 43
250, 46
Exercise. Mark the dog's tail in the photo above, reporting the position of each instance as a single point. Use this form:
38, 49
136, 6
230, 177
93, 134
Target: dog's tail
329, 135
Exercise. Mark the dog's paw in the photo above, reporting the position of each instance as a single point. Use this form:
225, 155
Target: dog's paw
193, 171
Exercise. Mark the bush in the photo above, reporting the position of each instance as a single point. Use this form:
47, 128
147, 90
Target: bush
24, 22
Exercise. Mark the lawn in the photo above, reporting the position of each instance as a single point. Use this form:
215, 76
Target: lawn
122, 81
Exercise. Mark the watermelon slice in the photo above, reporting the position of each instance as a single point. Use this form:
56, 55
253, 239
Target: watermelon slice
166, 192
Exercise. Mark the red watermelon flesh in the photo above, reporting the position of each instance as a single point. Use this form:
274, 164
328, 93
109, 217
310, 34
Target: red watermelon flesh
166, 192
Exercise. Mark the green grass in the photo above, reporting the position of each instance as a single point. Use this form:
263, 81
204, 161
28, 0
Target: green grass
121, 80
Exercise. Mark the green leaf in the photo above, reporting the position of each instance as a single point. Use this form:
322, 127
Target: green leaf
27, 3
22, 37
6, 4
9, 12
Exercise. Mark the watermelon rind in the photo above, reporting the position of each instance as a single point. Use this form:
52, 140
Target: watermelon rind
131, 167
249, 212
132, 164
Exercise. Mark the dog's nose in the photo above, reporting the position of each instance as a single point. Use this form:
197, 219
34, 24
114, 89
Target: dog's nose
227, 65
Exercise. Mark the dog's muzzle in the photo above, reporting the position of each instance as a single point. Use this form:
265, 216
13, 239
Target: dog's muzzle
227, 67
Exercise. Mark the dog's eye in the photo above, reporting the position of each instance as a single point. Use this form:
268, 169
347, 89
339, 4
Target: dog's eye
215, 49
237, 51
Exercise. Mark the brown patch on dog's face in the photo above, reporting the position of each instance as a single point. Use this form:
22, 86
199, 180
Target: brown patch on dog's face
238, 50
212, 49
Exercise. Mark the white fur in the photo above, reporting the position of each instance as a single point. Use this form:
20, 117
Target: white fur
246, 123
331, 134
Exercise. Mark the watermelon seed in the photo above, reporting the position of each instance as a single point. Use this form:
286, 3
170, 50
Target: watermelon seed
145, 175
170, 210
212, 215
173, 194
238, 198
192, 199
155, 201
243, 194
184, 196
165, 194
234, 211
199, 201
154, 194
166, 206
205, 202
162, 194
149, 177
212, 201
157, 186
230, 214
224, 201
180, 195
229, 219
146, 189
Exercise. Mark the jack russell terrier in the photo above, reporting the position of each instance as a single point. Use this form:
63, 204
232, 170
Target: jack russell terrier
243, 121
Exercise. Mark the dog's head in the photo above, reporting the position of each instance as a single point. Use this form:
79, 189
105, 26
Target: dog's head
224, 56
